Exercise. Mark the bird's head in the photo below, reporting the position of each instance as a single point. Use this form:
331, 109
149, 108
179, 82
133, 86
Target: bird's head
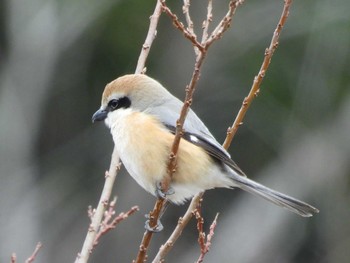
136, 91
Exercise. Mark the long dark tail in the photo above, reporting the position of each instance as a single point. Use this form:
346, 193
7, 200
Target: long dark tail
292, 204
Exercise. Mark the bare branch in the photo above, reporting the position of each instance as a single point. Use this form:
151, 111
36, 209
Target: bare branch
109, 222
224, 23
206, 23
200, 222
179, 25
205, 245
151, 35
147, 236
186, 11
97, 214
35, 253
182, 222
254, 91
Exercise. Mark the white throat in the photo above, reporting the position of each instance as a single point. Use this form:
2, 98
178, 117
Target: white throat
117, 116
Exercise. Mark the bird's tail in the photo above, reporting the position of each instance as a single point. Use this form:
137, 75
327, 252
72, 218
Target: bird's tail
292, 204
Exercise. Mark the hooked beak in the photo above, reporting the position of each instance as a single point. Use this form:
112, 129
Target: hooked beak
99, 115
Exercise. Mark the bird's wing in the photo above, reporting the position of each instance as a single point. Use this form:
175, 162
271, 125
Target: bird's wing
194, 131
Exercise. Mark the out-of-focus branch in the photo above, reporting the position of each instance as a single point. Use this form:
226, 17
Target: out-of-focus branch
35, 253
151, 35
255, 89
110, 176
31, 258
13, 258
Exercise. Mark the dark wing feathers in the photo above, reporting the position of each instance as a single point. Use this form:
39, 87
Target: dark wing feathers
215, 152
195, 130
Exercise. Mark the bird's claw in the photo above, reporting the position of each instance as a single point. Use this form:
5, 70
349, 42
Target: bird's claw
157, 228
163, 194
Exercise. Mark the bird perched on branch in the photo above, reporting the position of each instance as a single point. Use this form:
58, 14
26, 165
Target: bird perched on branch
142, 114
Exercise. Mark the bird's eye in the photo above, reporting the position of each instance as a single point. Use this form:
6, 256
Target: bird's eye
113, 104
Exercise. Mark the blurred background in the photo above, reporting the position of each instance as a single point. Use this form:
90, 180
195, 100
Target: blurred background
57, 56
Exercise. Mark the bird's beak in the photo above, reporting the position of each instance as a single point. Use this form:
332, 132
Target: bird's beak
99, 115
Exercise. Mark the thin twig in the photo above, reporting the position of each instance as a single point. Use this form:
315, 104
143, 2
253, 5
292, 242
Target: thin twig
190, 27
254, 91
183, 114
179, 25
224, 23
206, 23
110, 176
186, 11
35, 253
200, 225
205, 245
108, 222
151, 35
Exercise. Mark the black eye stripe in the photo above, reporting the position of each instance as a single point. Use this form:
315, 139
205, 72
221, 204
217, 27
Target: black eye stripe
115, 104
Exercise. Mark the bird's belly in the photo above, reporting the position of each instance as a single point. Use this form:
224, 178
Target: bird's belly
142, 154
144, 151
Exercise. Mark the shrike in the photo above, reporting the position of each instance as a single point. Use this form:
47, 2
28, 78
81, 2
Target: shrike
142, 114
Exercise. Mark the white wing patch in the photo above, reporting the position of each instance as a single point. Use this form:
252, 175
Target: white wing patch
193, 138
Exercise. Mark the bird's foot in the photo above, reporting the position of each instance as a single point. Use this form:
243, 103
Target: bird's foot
163, 194
157, 228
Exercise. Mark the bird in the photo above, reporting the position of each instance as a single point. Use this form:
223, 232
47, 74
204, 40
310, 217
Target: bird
141, 115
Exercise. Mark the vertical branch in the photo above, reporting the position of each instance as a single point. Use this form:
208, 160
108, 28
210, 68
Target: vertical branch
206, 23
190, 27
183, 114
151, 35
183, 221
203, 48
254, 91
147, 236
154, 215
